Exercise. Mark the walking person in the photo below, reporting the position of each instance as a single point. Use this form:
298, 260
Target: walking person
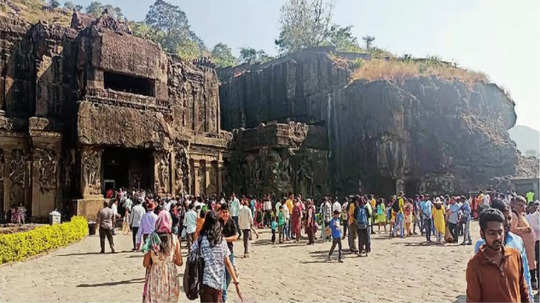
495, 273
106, 221
245, 221
454, 210
427, 210
148, 224
230, 233
296, 220
135, 218
310, 222
534, 222
466, 220
336, 236
162, 256
438, 220
520, 226
353, 230
326, 213
234, 206
215, 252
361, 215
190, 224
380, 214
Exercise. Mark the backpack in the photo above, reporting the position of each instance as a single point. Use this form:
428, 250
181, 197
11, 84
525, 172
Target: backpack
361, 217
194, 273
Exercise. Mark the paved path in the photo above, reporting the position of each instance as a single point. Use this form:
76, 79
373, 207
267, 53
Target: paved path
396, 270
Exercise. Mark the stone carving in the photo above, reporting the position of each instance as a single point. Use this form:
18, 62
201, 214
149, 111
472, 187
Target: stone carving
91, 169
45, 164
181, 170
161, 160
16, 167
2, 165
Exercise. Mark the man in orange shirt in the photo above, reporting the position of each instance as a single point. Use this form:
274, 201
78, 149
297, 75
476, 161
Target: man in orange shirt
495, 273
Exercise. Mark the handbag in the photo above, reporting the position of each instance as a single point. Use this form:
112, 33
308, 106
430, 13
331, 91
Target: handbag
147, 260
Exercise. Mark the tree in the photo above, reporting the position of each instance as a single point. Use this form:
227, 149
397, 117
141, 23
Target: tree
304, 24
253, 56
69, 5
173, 24
343, 39
222, 55
368, 39
95, 8
54, 3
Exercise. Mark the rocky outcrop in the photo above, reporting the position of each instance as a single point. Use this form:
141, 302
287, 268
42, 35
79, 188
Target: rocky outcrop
422, 134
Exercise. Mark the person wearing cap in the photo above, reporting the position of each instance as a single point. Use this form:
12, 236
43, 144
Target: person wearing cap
148, 223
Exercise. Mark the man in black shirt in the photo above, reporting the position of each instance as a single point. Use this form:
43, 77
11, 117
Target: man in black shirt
230, 234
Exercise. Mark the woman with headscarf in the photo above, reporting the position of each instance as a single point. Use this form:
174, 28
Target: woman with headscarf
161, 258
296, 218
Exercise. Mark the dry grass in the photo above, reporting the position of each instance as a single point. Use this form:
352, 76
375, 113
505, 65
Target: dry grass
400, 70
35, 10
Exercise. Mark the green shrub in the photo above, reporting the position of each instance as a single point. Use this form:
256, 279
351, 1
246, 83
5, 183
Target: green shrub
18, 246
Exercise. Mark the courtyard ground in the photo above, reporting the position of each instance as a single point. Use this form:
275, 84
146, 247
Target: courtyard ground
404, 270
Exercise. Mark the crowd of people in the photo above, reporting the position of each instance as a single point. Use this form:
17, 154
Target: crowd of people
212, 226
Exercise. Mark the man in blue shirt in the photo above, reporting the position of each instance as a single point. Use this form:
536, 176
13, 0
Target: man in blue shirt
510, 240
453, 218
426, 207
336, 236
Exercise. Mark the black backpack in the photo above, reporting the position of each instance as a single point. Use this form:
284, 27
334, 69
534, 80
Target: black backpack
194, 273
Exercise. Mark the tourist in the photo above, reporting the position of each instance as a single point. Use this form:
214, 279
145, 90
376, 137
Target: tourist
310, 222
427, 212
399, 216
530, 196
290, 205
495, 273
281, 222
252, 204
510, 240
466, 218
454, 210
345, 217
274, 227
326, 213
148, 223
336, 206
234, 205
417, 216
163, 250
230, 232
260, 214
135, 218
216, 254
353, 230
336, 236
105, 221
190, 224
175, 215
372, 204
380, 214
287, 221
361, 215
520, 226
267, 207
245, 221
534, 222
296, 220
408, 216
199, 224
438, 219
21, 214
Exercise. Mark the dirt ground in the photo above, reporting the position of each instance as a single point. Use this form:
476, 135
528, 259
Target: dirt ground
404, 270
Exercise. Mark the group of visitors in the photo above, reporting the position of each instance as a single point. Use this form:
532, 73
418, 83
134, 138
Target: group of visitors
15, 215
211, 226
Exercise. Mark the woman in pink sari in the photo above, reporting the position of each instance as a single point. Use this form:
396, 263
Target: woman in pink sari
296, 219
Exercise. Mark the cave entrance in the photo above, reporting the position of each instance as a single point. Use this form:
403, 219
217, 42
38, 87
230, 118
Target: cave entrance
385, 186
129, 84
411, 187
127, 168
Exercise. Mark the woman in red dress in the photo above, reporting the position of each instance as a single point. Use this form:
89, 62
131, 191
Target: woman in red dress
296, 219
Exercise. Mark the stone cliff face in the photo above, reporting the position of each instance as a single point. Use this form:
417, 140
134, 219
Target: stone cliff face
423, 134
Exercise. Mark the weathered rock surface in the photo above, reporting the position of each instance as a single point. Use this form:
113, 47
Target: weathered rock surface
423, 134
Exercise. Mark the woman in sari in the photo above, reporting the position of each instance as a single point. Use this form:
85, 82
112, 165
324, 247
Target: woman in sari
438, 219
296, 220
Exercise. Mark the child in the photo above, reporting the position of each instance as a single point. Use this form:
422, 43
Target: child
336, 236
274, 226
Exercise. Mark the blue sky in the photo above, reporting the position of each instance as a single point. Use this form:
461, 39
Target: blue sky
498, 37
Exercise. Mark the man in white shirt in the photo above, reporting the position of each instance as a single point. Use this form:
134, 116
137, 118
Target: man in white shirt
326, 213
190, 223
267, 207
336, 206
245, 221
234, 207
135, 220
286, 227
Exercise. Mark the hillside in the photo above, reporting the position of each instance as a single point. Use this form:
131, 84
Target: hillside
526, 138
33, 11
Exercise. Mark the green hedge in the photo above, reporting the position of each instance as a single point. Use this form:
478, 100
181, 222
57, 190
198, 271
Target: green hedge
18, 246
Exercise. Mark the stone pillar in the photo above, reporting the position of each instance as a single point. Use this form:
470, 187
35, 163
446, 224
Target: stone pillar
91, 171
15, 187
207, 181
196, 184
219, 177
44, 180
162, 172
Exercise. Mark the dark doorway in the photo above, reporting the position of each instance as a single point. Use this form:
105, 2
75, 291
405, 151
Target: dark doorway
127, 168
385, 186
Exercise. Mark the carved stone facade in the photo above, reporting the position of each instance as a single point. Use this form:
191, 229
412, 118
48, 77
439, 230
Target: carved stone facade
90, 107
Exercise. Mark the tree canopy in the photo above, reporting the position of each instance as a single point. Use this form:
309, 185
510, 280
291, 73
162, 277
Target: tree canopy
96, 8
222, 55
253, 56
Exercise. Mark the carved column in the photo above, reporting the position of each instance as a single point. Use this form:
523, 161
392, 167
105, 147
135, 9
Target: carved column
16, 169
206, 170
196, 183
162, 172
219, 177
44, 180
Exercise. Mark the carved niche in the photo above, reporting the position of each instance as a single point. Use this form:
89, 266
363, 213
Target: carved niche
45, 164
161, 160
91, 169
181, 173
16, 167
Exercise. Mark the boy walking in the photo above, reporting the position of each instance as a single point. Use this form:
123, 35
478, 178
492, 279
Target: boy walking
336, 236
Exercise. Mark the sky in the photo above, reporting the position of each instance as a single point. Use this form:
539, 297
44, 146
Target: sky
498, 37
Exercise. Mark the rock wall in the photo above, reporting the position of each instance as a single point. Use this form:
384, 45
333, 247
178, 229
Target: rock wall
423, 134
